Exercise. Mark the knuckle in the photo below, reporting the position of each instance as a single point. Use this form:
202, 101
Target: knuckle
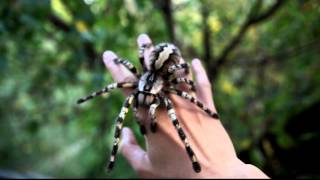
141, 170
142, 167
109, 55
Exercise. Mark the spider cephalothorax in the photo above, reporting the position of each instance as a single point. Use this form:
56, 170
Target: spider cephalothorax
151, 90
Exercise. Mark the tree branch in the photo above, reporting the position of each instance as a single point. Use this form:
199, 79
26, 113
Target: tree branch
165, 7
252, 19
278, 57
88, 46
58, 23
206, 38
268, 13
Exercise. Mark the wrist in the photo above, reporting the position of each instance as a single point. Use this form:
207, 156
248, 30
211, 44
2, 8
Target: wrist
251, 171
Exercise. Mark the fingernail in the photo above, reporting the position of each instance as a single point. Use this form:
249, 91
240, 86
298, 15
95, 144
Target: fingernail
143, 39
107, 57
196, 62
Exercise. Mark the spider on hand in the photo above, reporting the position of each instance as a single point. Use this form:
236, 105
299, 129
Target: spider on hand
151, 90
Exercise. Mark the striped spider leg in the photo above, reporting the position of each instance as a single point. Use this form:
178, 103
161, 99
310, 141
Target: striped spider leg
176, 67
152, 112
193, 100
128, 65
118, 128
172, 115
186, 81
176, 80
142, 127
107, 89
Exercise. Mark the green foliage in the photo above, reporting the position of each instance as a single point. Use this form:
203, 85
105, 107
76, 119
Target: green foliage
51, 55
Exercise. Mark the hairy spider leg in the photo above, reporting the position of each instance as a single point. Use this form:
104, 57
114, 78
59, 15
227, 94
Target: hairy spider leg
142, 127
193, 100
152, 112
128, 65
171, 76
172, 115
186, 81
176, 67
118, 128
141, 56
107, 89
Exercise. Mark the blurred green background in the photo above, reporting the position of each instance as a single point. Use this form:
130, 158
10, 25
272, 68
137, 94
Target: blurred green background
262, 57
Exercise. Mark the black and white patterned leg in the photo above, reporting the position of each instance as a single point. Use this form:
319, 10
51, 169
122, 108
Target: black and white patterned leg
176, 67
107, 89
193, 100
142, 127
128, 65
152, 113
172, 115
118, 128
186, 81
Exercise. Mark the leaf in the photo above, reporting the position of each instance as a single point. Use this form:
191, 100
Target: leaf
61, 11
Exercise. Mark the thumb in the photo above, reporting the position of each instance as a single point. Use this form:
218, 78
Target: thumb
131, 150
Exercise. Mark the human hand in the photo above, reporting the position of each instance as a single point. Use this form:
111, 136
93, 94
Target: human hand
165, 156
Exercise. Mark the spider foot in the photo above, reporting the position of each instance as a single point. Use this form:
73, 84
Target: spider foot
214, 115
110, 167
196, 167
153, 127
143, 130
80, 101
186, 70
193, 88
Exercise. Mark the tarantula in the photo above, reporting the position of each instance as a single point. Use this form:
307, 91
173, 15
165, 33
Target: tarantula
151, 90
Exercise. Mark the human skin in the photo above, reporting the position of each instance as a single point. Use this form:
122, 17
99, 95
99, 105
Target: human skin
165, 155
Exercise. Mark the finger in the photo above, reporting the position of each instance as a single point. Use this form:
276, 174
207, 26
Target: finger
203, 85
118, 72
135, 155
144, 40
